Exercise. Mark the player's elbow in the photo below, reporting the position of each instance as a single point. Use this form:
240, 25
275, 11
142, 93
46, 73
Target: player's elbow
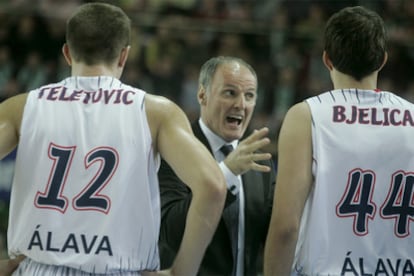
283, 228
209, 197
213, 187
286, 233
216, 187
289, 233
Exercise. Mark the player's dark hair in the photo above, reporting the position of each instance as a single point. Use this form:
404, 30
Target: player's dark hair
355, 41
97, 33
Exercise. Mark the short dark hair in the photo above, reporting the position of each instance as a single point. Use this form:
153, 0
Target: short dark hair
209, 68
355, 41
97, 32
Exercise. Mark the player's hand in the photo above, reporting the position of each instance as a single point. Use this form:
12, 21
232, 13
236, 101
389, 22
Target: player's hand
245, 156
166, 272
7, 267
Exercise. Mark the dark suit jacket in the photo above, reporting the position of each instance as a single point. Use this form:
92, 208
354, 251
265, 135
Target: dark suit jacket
218, 260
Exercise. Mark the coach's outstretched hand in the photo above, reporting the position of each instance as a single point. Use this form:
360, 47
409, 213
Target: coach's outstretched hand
7, 267
245, 156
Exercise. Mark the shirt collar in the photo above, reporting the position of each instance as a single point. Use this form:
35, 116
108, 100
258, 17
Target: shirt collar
213, 139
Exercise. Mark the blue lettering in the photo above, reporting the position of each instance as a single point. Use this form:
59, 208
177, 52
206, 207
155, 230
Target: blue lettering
108, 95
125, 97
71, 244
338, 114
407, 119
52, 94
393, 120
353, 115
35, 240
386, 121
85, 245
49, 243
385, 267
397, 265
75, 95
408, 268
80, 244
373, 116
363, 115
59, 93
42, 92
87, 97
62, 96
96, 96
361, 268
118, 96
381, 268
104, 246
348, 266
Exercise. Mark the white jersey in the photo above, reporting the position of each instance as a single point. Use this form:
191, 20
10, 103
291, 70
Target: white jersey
85, 193
359, 218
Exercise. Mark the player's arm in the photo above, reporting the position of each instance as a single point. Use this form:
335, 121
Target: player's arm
7, 267
11, 111
293, 183
196, 167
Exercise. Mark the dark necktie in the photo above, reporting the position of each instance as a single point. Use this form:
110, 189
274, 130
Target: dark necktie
231, 216
226, 149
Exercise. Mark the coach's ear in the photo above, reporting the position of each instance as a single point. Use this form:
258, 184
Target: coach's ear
66, 54
326, 60
202, 95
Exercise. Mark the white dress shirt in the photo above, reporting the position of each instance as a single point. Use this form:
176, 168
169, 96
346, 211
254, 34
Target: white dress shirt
233, 185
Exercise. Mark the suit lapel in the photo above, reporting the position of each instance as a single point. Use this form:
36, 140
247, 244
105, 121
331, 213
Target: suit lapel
200, 135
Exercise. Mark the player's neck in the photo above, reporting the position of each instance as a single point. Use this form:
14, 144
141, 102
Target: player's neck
80, 69
343, 81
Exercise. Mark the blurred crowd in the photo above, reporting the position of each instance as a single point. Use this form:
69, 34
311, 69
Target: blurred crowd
171, 39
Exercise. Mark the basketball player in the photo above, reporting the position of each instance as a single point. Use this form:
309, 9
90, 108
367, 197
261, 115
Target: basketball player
85, 195
344, 202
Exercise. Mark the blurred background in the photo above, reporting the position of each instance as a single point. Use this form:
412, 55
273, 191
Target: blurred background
171, 39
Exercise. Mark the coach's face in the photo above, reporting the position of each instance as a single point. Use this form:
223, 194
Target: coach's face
228, 103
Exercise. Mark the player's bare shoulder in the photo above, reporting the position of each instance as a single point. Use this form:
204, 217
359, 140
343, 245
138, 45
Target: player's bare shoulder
162, 111
298, 114
12, 109
299, 109
157, 109
296, 126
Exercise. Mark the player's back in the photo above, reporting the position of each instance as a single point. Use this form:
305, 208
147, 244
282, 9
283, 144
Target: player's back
358, 218
85, 193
